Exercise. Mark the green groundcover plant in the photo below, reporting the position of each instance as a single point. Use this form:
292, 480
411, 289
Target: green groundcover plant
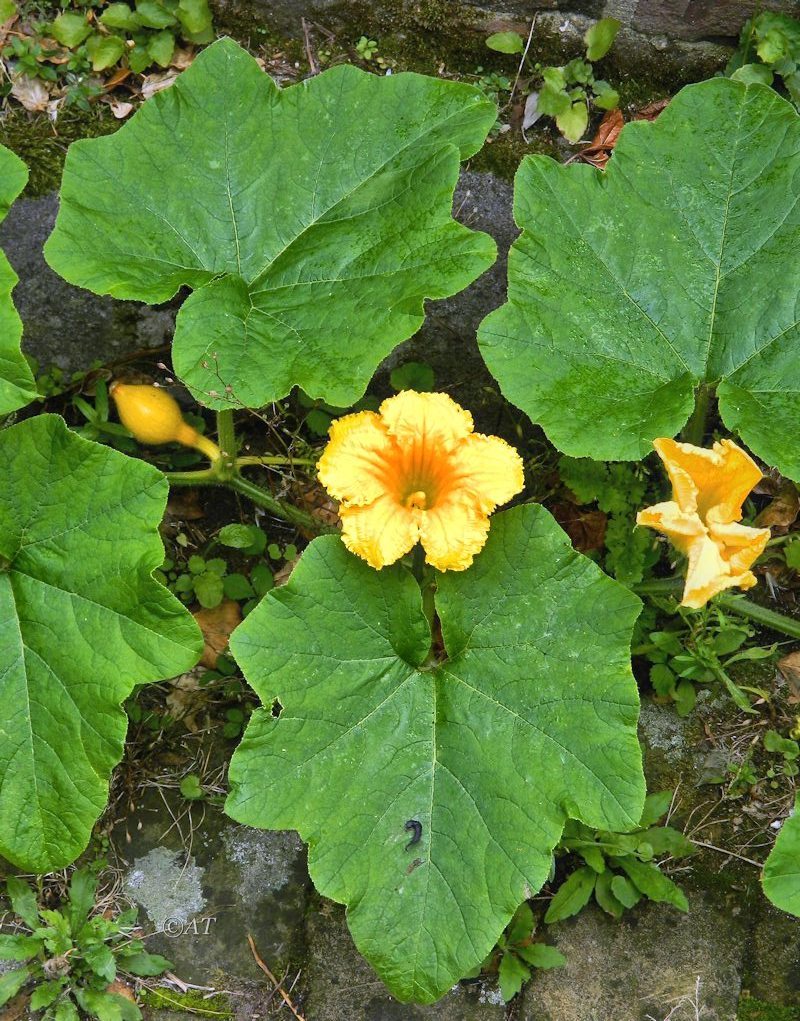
429, 735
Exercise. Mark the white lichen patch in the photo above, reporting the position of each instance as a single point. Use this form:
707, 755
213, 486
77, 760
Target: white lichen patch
167, 887
265, 860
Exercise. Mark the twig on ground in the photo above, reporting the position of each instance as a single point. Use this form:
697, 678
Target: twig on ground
272, 978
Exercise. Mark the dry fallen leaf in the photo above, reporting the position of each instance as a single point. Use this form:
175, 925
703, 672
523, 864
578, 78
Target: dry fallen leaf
31, 92
184, 505
586, 528
217, 626
600, 148
182, 701
182, 58
652, 110
782, 510
789, 667
154, 83
121, 988
120, 110
285, 573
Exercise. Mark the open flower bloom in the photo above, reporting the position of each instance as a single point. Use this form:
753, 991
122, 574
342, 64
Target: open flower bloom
708, 490
416, 472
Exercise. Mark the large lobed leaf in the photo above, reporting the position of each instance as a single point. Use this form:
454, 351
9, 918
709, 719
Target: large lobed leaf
16, 381
781, 878
675, 267
531, 719
81, 622
310, 222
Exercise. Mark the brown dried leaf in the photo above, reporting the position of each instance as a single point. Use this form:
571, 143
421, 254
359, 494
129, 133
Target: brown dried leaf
217, 626
184, 505
31, 92
157, 82
285, 573
782, 510
652, 110
789, 667
121, 110
586, 528
599, 150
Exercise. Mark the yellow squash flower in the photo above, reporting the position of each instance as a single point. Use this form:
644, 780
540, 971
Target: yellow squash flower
708, 490
416, 472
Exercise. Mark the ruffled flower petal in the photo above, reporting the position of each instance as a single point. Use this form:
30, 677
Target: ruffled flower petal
355, 464
380, 533
708, 574
709, 488
433, 419
453, 532
719, 478
741, 545
490, 468
680, 528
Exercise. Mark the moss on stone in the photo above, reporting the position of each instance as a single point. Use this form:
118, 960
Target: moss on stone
43, 145
190, 1002
757, 1010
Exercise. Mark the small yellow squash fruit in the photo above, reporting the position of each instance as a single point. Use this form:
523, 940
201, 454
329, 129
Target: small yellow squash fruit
153, 416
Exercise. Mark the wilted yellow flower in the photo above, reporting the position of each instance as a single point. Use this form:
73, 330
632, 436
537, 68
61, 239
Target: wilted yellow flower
708, 490
416, 472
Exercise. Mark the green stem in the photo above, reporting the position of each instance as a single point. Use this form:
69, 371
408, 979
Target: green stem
695, 429
262, 498
760, 614
244, 462
206, 477
736, 604
226, 438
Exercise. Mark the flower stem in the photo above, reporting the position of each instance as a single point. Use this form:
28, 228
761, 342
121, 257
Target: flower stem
262, 498
245, 462
728, 601
695, 429
226, 436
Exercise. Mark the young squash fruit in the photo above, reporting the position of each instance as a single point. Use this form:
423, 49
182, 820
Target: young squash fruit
153, 416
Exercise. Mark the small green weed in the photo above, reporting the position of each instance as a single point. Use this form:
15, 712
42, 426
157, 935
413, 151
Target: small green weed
565, 93
619, 867
698, 647
516, 954
769, 48
69, 957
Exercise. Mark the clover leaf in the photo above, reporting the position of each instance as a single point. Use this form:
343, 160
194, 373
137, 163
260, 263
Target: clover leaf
310, 222
83, 621
675, 268
16, 381
781, 878
364, 744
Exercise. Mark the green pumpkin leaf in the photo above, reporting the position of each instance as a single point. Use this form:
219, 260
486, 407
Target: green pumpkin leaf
611, 325
16, 381
529, 720
309, 251
83, 623
781, 877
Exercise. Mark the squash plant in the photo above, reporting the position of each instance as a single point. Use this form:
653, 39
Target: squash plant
436, 750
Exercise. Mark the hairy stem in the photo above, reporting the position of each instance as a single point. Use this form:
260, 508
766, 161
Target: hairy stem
728, 601
695, 429
226, 437
245, 462
259, 496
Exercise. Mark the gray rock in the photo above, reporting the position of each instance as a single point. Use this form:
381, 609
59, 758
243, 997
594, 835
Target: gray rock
654, 961
342, 985
773, 963
447, 340
65, 325
205, 883
701, 19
